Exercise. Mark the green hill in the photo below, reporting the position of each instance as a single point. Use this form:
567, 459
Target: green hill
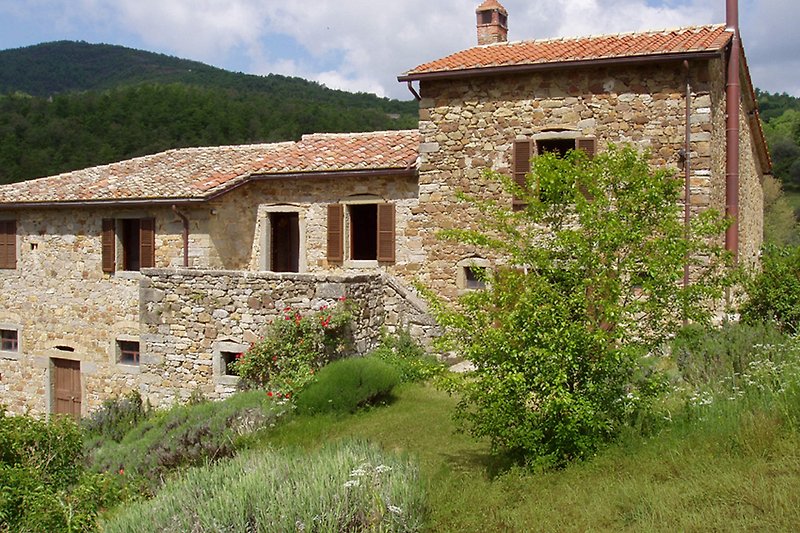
69, 105
780, 115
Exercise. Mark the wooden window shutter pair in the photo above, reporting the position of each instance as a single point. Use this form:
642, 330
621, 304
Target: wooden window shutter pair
385, 232
147, 244
8, 244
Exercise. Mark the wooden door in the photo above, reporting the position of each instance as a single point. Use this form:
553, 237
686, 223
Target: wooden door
67, 387
285, 242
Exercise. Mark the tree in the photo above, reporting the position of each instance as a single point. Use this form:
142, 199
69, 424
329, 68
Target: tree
593, 280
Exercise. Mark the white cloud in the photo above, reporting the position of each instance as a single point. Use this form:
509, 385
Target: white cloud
364, 44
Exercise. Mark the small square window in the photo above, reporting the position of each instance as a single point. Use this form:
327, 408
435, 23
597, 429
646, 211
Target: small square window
474, 277
9, 340
128, 352
228, 359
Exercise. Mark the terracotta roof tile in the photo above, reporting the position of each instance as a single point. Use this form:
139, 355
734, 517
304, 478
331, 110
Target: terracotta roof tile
198, 173
654, 43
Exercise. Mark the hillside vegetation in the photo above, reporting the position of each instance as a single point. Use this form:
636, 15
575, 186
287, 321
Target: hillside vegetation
67, 105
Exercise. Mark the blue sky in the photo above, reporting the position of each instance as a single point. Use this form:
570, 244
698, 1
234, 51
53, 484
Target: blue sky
362, 45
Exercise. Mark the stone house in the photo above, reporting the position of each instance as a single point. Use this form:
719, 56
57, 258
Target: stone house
151, 273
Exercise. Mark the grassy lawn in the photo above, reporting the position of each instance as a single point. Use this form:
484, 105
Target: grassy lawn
741, 475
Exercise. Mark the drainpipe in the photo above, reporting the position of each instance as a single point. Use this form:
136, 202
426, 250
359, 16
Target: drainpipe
732, 98
185, 235
414, 91
687, 157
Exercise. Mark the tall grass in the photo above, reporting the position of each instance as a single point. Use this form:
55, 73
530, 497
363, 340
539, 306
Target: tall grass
350, 486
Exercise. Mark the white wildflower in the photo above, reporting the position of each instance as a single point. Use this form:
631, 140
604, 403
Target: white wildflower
352, 483
382, 468
395, 509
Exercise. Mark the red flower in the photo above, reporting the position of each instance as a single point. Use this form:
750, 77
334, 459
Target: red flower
269, 393
288, 394
239, 355
121, 471
342, 298
274, 357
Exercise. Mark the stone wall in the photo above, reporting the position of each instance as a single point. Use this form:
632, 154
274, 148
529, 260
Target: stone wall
185, 314
469, 125
64, 307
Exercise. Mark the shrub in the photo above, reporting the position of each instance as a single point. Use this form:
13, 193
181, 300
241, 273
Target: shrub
403, 352
347, 384
295, 346
43, 485
595, 252
351, 486
774, 293
186, 435
708, 355
116, 417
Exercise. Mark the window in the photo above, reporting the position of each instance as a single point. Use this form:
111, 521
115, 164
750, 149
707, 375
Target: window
474, 277
485, 17
227, 359
8, 244
371, 232
225, 354
471, 273
525, 149
128, 352
9, 340
137, 242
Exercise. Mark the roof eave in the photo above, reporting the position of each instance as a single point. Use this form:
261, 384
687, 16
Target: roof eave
558, 65
128, 202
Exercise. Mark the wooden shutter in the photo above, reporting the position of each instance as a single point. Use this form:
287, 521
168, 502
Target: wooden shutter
587, 144
8, 244
335, 233
109, 240
521, 165
386, 236
147, 243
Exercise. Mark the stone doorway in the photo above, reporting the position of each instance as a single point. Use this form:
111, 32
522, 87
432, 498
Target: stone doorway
66, 387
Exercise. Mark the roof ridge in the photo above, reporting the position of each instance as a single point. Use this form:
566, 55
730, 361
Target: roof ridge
309, 136
602, 35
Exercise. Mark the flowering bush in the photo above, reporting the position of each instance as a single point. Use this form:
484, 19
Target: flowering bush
295, 346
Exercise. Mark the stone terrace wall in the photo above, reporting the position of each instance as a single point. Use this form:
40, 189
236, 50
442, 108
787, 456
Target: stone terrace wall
185, 313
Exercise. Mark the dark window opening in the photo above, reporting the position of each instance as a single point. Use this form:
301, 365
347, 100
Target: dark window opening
228, 360
364, 232
128, 352
285, 242
9, 340
559, 147
485, 17
131, 244
474, 277
64, 348
503, 19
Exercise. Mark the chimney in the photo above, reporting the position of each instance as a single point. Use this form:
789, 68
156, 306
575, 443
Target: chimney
492, 23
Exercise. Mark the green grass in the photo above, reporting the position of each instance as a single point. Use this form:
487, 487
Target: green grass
740, 475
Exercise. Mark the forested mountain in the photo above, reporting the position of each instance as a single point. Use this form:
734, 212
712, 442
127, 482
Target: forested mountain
780, 115
67, 105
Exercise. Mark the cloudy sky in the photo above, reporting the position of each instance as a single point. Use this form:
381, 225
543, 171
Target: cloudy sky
362, 45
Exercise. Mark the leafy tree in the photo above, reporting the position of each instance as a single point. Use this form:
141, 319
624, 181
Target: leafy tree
774, 292
593, 280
